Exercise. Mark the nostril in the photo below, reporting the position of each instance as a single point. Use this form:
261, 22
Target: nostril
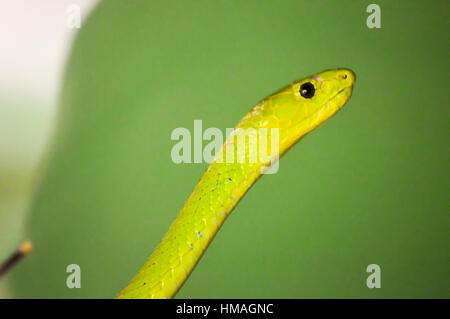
346, 75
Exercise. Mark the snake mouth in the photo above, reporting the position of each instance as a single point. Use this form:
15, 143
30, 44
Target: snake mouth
347, 79
341, 97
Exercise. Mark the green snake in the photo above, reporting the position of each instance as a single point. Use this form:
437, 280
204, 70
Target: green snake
295, 110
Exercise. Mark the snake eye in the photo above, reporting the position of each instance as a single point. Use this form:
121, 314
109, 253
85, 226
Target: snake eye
307, 90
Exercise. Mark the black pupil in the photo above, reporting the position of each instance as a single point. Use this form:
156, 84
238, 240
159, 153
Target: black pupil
307, 90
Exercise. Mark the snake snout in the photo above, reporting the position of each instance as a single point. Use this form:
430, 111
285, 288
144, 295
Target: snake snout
347, 76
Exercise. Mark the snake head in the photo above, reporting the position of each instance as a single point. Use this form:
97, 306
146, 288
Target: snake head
301, 106
331, 88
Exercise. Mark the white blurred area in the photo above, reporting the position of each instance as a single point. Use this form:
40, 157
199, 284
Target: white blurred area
34, 44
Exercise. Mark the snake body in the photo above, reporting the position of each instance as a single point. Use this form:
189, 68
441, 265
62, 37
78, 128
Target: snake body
295, 110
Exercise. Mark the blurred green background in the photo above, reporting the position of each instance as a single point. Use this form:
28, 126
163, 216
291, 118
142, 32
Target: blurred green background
369, 186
